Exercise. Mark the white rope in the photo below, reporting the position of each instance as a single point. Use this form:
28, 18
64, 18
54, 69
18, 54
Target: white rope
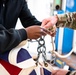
63, 56
59, 55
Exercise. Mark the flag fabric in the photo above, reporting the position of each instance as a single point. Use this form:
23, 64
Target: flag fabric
19, 57
16, 62
9, 69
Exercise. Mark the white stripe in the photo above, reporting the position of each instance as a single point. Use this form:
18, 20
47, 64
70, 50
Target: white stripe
26, 71
13, 59
26, 64
37, 70
3, 71
13, 53
74, 40
60, 40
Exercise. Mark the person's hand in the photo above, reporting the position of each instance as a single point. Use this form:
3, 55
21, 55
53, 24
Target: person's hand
34, 32
60, 72
49, 24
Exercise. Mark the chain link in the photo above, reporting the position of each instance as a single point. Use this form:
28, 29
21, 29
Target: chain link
41, 49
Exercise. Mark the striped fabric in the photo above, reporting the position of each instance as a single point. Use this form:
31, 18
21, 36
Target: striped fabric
17, 62
64, 40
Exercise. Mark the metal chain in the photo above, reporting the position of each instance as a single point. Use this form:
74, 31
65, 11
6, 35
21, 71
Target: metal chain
41, 49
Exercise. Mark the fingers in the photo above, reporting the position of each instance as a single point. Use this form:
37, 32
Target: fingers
48, 25
44, 22
51, 31
49, 22
34, 32
54, 72
45, 30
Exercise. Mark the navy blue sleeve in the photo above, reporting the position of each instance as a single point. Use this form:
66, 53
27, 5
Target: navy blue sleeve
11, 38
26, 17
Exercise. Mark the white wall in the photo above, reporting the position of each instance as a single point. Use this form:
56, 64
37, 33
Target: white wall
64, 5
40, 8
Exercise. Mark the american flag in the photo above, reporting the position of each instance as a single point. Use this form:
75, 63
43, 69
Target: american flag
17, 61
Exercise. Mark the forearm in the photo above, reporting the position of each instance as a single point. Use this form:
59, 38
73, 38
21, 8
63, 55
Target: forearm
10, 38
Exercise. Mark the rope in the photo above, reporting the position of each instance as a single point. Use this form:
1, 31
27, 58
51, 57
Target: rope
59, 55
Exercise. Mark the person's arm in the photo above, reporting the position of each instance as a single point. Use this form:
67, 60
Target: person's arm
10, 38
71, 73
26, 17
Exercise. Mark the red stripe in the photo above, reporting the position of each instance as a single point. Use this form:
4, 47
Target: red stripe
12, 70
